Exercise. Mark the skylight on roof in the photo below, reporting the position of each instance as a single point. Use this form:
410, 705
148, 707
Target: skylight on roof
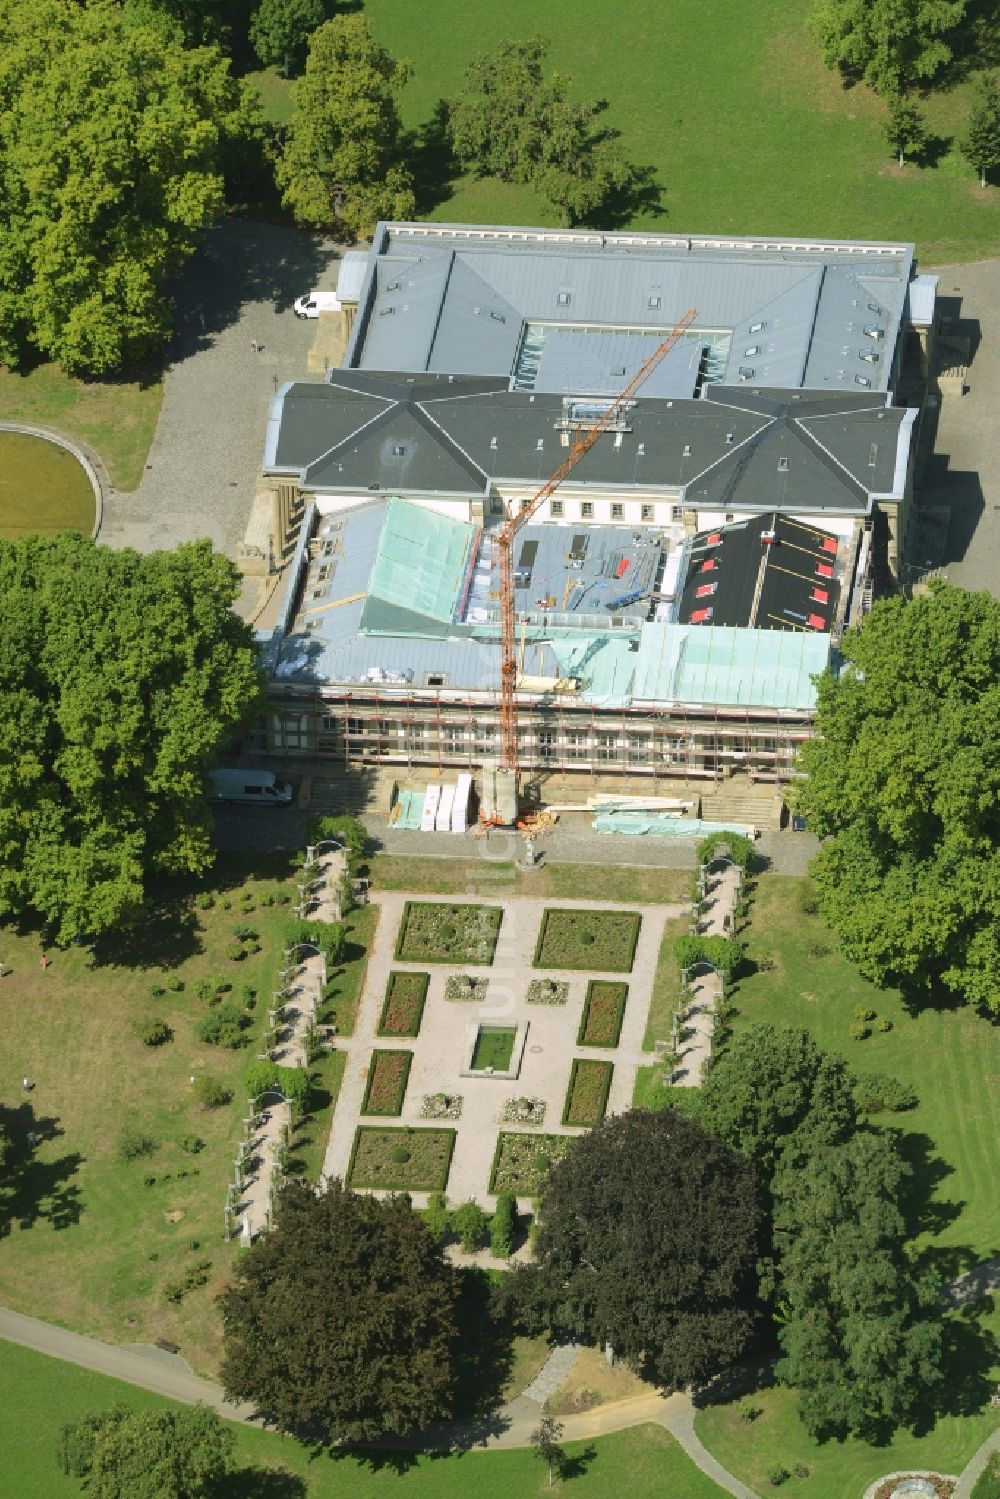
753, 349
757, 327
564, 298
654, 303
862, 380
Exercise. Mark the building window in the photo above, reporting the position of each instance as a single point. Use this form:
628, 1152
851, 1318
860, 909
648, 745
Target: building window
483, 734
638, 751
617, 511
556, 509
355, 726
607, 746
647, 512
587, 510
329, 723
496, 505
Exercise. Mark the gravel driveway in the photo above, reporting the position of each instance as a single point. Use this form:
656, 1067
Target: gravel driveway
206, 456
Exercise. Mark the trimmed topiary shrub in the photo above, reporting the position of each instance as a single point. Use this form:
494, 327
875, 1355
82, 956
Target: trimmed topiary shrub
210, 1093
503, 1226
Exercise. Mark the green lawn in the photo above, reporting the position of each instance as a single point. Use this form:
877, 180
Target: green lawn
952, 1139
91, 1247
38, 1394
667, 986
494, 1048
837, 1470
745, 128
42, 488
550, 881
116, 418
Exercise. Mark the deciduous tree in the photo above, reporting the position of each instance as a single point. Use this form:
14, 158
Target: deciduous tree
343, 1317
905, 129
649, 1242
860, 1343
112, 138
127, 1454
121, 677
772, 1085
280, 29
980, 145
512, 122
904, 788
341, 167
891, 44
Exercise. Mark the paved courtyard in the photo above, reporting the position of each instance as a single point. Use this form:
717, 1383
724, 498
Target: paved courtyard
203, 465
441, 1048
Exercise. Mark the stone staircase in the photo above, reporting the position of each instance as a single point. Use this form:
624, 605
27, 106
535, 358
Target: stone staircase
739, 802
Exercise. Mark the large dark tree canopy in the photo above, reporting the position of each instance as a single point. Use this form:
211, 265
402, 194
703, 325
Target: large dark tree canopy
343, 1317
904, 787
649, 1242
774, 1087
112, 137
121, 678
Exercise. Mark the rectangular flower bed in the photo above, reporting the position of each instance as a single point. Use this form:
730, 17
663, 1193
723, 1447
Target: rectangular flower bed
603, 941
587, 1094
521, 1163
401, 1160
403, 1008
435, 932
603, 1013
388, 1072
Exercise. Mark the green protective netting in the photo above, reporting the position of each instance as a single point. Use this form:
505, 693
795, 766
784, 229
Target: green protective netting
422, 560
723, 664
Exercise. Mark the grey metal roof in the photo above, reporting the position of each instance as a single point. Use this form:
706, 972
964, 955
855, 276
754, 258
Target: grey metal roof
456, 298
736, 448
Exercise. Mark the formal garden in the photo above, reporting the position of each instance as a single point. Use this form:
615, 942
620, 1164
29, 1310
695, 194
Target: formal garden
441, 933
602, 941
494, 1048
522, 1162
392, 1159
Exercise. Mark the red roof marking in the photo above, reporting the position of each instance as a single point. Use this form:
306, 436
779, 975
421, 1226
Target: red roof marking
705, 591
820, 596
709, 566
830, 544
714, 540
816, 621
700, 615
622, 567
824, 570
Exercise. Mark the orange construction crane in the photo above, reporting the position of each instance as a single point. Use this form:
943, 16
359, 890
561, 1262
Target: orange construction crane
508, 534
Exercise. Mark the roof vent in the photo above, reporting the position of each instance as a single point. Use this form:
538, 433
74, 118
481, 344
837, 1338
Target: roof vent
687, 450
640, 451
862, 380
493, 444
730, 436
386, 311
872, 330
477, 311
394, 286
874, 307
873, 455
540, 445
398, 450
782, 465
870, 356
498, 317
746, 373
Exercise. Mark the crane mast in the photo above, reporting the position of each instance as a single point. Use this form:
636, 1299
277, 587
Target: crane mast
509, 530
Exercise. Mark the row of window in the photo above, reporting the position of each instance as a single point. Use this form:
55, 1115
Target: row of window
557, 510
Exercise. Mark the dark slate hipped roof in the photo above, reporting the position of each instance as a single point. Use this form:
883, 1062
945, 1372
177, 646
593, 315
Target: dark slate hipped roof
458, 435
771, 585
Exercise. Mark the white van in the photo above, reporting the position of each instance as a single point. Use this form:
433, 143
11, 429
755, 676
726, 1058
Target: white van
257, 788
315, 302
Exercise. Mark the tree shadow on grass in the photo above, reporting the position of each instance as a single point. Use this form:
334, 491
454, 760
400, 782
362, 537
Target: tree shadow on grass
575, 1464
924, 1212
260, 1483
431, 160
34, 1189
640, 194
